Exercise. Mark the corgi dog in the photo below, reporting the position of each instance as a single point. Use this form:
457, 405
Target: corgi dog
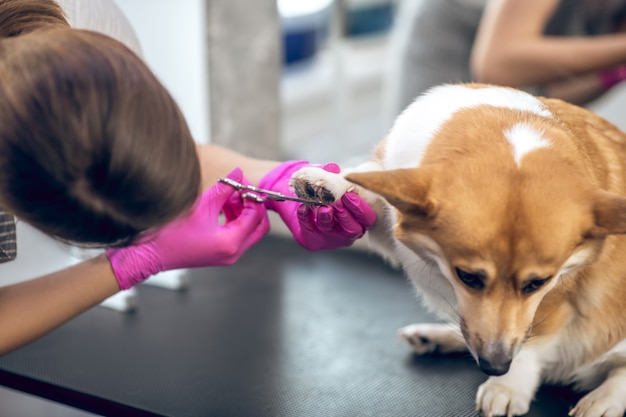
507, 212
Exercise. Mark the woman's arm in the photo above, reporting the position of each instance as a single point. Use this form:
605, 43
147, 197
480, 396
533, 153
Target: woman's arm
577, 90
32, 308
510, 48
217, 161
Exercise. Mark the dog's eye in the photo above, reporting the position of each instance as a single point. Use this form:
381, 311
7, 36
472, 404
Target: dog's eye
534, 284
471, 279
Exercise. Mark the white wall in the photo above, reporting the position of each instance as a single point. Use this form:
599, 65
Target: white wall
612, 106
173, 41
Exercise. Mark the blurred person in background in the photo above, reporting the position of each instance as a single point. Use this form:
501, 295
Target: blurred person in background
574, 50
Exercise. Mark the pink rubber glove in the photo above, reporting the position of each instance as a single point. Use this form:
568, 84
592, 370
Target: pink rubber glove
612, 76
197, 239
314, 227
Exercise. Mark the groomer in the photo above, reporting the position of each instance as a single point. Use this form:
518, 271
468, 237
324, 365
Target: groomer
94, 151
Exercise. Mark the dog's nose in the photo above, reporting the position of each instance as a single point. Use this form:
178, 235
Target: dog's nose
494, 367
495, 358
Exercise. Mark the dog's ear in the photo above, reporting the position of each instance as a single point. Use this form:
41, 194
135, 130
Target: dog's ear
406, 189
609, 212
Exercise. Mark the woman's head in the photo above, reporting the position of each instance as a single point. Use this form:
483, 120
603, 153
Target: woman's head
93, 149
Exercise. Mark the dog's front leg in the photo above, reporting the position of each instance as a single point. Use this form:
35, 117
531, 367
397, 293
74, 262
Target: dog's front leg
427, 338
511, 394
608, 400
318, 184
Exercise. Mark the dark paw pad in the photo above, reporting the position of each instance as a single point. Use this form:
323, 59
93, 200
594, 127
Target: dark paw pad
308, 191
327, 197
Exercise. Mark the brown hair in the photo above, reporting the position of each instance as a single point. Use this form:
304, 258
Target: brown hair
23, 16
93, 149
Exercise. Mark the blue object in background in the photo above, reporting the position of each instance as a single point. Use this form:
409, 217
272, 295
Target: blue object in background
368, 20
300, 44
305, 25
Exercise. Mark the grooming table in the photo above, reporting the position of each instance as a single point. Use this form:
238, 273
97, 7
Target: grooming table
285, 332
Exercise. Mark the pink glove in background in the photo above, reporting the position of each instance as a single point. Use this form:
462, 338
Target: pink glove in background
612, 76
197, 239
318, 227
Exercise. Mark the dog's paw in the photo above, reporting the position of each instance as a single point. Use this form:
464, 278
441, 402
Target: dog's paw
425, 338
605, 401
497, 399
318, 184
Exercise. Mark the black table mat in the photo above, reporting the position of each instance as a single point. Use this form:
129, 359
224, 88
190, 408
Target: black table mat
285, 332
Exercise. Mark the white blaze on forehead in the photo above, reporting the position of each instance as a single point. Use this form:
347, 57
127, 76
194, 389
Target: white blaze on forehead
524, 139
416, 126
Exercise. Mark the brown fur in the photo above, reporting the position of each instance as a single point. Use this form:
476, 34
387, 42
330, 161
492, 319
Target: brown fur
507, 212
515, 223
